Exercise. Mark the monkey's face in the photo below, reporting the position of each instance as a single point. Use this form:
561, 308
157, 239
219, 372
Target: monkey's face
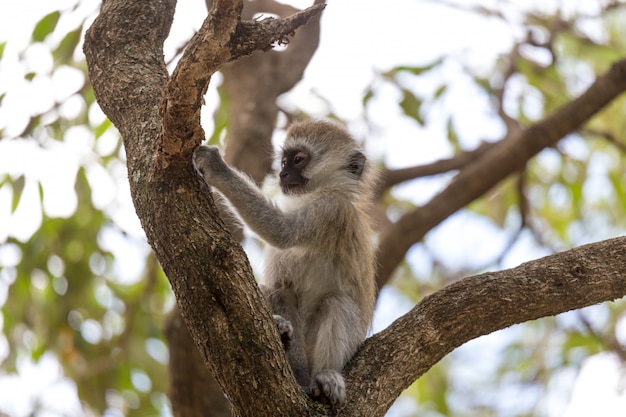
292, 166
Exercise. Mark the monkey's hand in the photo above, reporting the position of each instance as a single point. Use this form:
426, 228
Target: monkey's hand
209, 162
285, 330
329, 385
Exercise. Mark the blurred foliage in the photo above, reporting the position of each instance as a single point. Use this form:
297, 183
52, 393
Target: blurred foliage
569, 195
65, 292
62, 293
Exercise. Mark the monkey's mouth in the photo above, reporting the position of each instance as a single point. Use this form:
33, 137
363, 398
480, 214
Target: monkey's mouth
293, 188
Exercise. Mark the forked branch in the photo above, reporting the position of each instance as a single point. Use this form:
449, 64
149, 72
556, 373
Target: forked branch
222, 38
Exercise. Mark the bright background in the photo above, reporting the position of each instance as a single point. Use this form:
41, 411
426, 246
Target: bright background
354, 51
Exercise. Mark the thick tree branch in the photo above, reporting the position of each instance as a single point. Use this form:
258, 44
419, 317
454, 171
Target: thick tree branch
206, 52
505, 158
128, 73
391, 360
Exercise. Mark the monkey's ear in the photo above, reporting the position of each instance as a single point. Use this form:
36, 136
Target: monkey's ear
356, 164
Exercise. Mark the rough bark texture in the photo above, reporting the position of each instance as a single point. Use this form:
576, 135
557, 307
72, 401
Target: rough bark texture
218, 298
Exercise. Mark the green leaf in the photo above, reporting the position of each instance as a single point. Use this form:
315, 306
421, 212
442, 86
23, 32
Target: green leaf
484, 84
46, 26
618, 187
414, 70
18, 187
40, 188
589, 343
220, 118
453, 137
65, 51
367, 97
411, 106
103, 127
2, 45
439, 92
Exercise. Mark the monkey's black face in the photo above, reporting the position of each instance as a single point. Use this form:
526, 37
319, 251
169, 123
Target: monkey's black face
292, 166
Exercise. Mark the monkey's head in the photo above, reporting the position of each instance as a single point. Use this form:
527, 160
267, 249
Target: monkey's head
320, 154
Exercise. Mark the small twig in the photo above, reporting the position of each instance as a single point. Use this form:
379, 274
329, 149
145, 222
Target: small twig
609, 136
257, 35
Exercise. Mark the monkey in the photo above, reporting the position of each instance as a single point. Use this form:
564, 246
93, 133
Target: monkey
319, 262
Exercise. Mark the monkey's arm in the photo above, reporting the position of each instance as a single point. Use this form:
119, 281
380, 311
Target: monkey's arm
279, 229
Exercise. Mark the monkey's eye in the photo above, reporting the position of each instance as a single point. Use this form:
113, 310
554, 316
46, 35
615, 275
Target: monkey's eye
299, 158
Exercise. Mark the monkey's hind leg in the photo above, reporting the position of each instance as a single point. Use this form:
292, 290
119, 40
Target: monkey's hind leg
337, 337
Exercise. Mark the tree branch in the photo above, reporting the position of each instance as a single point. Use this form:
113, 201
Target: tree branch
222, 38
253, 84
261, 35
476, 306
391, 177
505, 158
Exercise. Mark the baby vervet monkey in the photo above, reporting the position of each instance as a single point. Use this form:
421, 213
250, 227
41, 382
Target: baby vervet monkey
319, 266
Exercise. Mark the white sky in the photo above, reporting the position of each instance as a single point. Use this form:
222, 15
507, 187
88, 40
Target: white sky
353, 48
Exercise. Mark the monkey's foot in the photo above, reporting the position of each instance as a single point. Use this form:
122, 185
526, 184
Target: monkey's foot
329, 386
285, 329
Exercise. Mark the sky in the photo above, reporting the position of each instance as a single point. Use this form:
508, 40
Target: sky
342, 68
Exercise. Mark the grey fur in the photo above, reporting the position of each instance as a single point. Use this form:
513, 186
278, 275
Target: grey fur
319, 271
